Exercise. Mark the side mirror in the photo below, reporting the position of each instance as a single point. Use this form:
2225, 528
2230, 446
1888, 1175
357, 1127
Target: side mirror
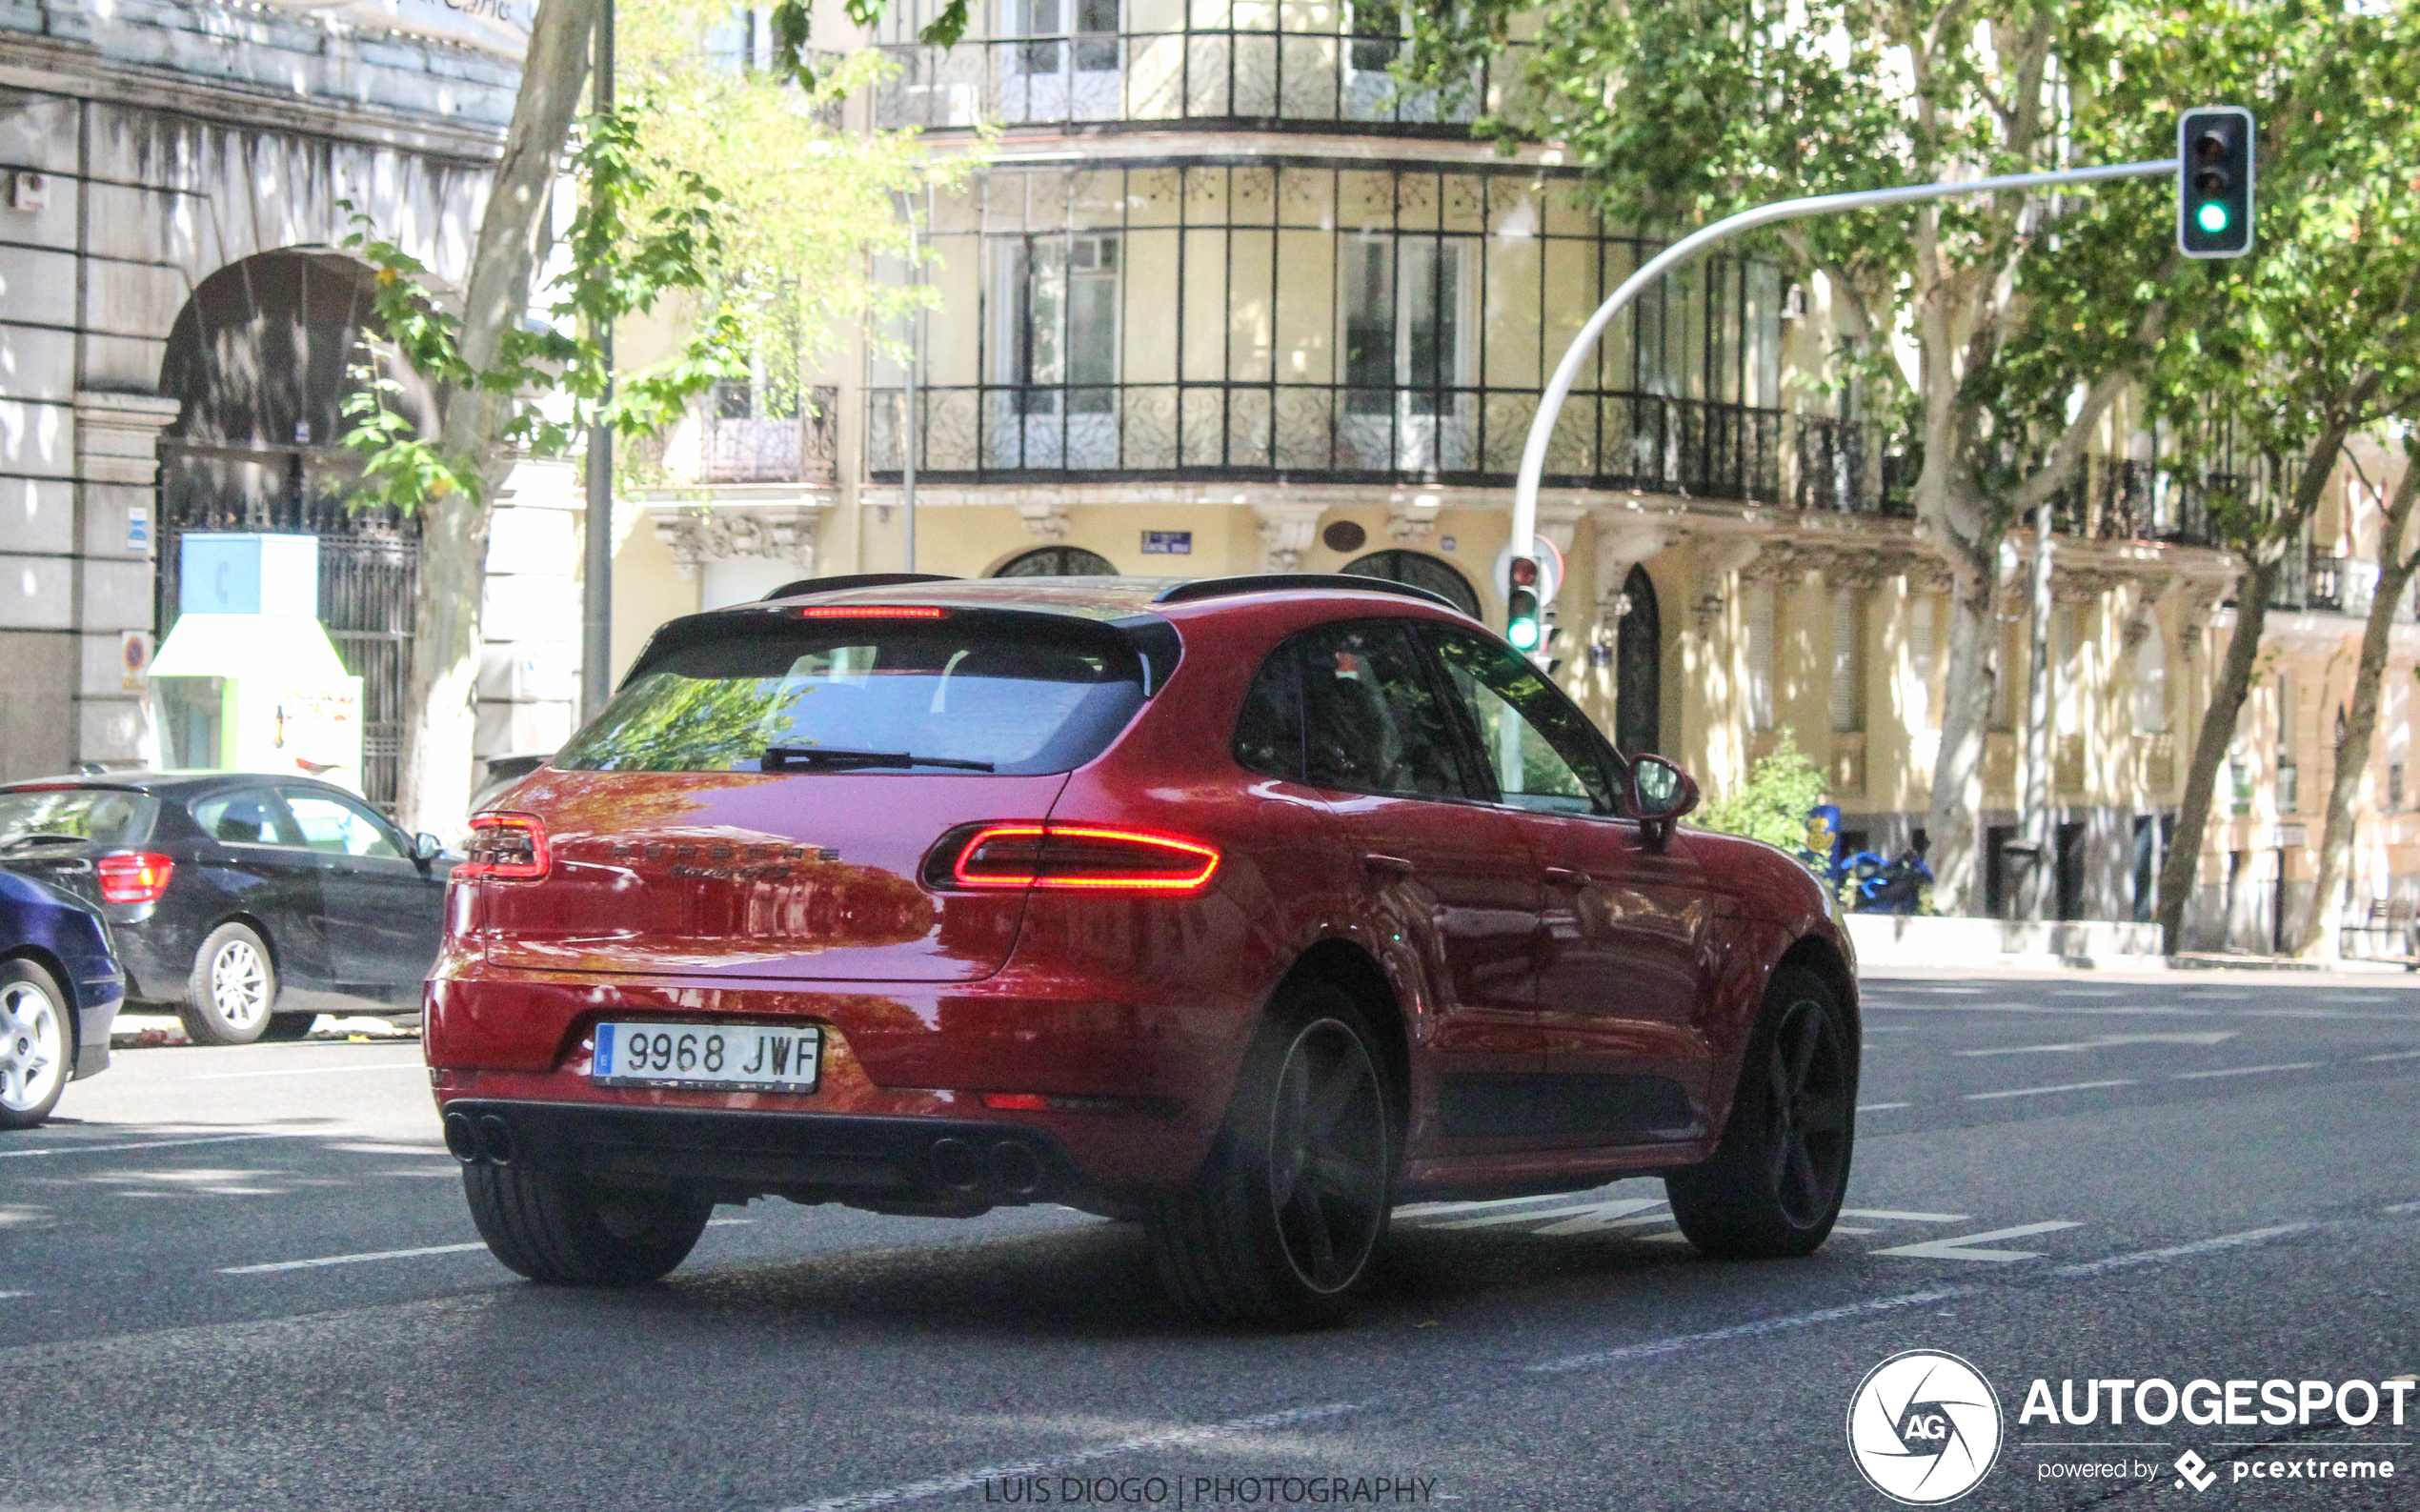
1660, 794
426, 847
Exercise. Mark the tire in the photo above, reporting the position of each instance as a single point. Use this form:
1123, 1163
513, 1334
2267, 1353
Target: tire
1773, 1187
561, 1229
37, 1043
286, 1028
233, 994
1284, 1224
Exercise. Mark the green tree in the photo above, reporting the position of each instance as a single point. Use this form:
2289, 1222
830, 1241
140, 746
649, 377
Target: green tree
1772, 803
2023, 316
671, 209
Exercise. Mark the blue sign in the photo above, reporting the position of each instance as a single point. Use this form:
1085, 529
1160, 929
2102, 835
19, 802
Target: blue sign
1167, 543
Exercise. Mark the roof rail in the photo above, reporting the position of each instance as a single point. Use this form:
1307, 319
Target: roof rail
831, 585
1283, 582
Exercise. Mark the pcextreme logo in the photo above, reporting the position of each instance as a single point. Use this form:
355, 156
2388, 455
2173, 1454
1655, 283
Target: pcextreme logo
1924, 1427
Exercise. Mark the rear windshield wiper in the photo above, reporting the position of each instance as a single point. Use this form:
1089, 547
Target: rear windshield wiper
42, 838
778, 757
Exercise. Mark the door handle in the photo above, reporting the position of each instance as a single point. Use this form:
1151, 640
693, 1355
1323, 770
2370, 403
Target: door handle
1387, 865
1566, 877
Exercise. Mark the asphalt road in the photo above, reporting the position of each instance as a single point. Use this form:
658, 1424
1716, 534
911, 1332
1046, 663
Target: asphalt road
245, 1278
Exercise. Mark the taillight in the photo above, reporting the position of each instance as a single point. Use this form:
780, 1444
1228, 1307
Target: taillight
134, 877
1088, 857
511, 846
871, 612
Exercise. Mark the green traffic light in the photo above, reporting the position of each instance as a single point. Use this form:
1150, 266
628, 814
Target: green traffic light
1523, 634
2213, 217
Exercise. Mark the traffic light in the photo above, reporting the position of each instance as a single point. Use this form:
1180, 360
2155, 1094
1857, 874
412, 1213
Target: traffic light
1522, 625
2214, 182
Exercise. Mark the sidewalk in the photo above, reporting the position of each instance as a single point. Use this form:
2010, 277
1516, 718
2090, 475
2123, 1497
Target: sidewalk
1890, 944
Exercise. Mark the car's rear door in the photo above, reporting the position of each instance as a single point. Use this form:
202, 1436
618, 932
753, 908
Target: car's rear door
254, 859
381, 912
1444, 874
1626, 929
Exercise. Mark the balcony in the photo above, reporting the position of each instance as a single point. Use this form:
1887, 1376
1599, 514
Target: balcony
784, 449
1265, 78
1240, 430
2116, 499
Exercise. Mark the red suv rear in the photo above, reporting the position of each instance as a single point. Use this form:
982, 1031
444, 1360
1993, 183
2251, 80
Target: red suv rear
1249, 908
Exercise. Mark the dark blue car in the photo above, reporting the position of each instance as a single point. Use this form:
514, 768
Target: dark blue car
59, 989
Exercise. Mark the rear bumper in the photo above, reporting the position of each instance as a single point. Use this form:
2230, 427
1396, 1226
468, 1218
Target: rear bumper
911, 1165
92, 1034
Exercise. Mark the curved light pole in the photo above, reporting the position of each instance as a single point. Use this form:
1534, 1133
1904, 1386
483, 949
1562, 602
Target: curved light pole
1533, 455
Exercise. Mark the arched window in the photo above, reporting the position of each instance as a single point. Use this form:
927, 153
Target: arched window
1420, 570
1638, 668
1057, 561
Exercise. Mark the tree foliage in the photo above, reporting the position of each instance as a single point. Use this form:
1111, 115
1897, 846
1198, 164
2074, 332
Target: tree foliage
1771, 804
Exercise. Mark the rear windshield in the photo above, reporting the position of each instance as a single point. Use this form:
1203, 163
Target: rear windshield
28, 820
981, 693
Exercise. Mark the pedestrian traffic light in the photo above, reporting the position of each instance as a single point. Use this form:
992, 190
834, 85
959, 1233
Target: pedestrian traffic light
1521, 605
2214, 182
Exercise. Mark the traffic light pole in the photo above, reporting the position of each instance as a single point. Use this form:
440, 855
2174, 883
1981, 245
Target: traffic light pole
1541, 429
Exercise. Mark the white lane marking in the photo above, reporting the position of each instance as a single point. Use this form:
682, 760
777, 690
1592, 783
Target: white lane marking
2246, 1071
2037, 1091
1963, 1247
1425, 1209
1167, 1439
305, 1071
2404, 1207
1882, 1107
170, 1144
1762, 1327
2400, 1055
1653, 1347
2108, 1042
2204, 1246
1491, 1219
1892, 1215
1611, 1214
726, 1223
1846, 1228
346, 1260
5, 1296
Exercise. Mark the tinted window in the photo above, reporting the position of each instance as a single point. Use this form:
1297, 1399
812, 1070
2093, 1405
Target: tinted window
99, 815
1538, 747
1268, 734
1372, 720
333, 827
1021, 696
242, 818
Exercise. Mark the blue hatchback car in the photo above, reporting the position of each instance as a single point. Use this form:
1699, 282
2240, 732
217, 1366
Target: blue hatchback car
60, 987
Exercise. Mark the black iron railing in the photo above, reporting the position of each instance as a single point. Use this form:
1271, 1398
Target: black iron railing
790, 448
1283, 77
984, 433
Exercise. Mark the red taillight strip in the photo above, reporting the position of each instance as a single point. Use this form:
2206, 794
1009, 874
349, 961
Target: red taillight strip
528, 824
871, 612
1199, 860
134, 877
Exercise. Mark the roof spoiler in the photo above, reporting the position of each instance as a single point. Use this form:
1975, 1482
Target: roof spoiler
832, 585
1285, 582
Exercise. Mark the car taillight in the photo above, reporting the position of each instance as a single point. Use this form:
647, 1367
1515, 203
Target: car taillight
872, 611
511, 846
1085, 857
134, 877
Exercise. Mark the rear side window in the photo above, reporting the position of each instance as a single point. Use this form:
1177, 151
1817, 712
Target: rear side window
995, 694
243, 818
1268, 734
1372, 719
29, 819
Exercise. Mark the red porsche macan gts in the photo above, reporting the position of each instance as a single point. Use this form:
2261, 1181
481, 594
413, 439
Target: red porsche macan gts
1248, 908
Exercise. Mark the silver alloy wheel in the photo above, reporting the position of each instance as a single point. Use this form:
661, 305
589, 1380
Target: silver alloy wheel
33, 1046
1328, 1155
239, 984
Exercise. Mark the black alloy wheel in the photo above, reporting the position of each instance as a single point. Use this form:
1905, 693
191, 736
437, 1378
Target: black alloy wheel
1284, 1224
1773, 1186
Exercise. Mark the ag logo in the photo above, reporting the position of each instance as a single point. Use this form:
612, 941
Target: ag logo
1925, 1427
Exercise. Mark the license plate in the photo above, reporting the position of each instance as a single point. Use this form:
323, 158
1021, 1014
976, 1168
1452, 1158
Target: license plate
745, 1057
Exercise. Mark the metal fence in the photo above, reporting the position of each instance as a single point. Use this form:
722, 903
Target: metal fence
794, 449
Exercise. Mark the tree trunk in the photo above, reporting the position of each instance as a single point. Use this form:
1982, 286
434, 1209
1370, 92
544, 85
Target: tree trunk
2324, 918
1965, 719
441, 721
2039, 713
2252, 592
2234, 684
